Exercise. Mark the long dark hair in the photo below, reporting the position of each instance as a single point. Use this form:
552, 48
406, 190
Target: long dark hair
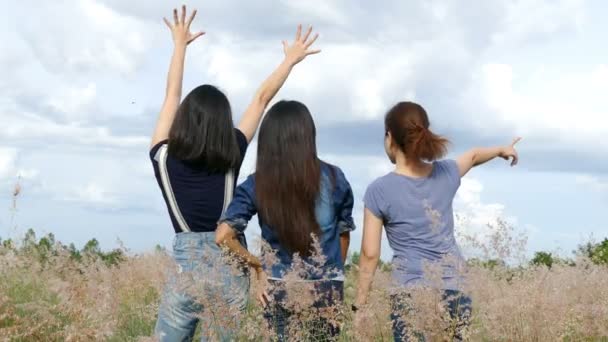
288, 175
409, 125
203, 132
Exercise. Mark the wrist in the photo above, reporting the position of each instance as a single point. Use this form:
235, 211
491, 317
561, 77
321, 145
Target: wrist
501, 151
288, 62
179, 45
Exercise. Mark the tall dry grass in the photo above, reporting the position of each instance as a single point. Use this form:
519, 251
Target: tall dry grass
50, 292
58, 298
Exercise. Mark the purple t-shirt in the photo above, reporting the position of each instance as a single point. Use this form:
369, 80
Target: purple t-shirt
419, 222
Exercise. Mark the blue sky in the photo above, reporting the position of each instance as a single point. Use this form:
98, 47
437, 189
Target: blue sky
83, 81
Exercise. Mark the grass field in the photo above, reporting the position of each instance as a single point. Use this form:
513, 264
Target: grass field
50, 292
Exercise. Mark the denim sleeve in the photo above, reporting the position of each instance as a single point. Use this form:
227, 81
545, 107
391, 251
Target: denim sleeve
345, 204
242, 208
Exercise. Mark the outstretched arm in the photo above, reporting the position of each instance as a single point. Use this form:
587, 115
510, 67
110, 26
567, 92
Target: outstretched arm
370, 255
294, 54
180, 30
478, 156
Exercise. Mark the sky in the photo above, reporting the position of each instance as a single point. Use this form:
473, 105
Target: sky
83, 80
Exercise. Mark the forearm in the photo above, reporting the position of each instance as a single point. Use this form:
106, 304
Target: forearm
269, 88
176, 72
344, 244
367, 269
230, 242
173, 95
265, 93
482, 155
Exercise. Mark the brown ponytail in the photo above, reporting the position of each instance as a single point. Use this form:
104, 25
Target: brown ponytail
409, 124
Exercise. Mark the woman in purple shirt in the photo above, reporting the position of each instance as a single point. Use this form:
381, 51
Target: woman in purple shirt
414, 204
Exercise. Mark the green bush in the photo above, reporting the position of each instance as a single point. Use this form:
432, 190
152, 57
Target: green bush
596, 252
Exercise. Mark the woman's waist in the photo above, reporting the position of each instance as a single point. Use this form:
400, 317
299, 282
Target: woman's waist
417, 261
197, 244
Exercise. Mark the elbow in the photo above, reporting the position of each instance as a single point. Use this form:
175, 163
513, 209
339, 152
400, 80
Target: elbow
262, 99
369, 257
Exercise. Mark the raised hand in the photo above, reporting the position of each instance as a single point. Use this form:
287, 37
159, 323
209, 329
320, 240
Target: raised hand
300, 48
180, 29
509, 152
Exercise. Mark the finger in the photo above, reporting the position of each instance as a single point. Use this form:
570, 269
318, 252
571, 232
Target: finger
175, 19
515, 160
183, 19
299, 32
515, 141
312, 52
196, 35
167, 23
285, 45
312, 40
308, 32
261, 299
191, 18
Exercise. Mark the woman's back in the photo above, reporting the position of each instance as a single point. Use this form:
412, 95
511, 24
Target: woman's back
193, 193
419, 222
333, 213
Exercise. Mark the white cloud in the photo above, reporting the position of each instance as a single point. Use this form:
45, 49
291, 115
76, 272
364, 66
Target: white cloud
34, 127
92, 193
74, 102
8, 158
537, 19
561, 107
592, 182
10, 168
468, 204
81, 36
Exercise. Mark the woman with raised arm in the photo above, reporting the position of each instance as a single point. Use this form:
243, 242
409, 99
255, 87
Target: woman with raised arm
196, 153
414, 204
302, 203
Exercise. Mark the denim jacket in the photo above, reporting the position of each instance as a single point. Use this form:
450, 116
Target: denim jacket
333, 210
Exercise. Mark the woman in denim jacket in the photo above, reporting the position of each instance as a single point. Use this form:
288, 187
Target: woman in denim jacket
304, 207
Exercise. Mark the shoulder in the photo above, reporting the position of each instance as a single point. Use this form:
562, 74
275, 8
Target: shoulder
380, 183
449, 168
154, 150
375, 198
333, 170
446, 165
241, 139
336, 175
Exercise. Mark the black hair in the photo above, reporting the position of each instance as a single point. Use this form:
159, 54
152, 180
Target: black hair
203, 131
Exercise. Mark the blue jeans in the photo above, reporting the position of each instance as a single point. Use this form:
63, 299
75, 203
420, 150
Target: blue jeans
328, 293
205, 288
457, 304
